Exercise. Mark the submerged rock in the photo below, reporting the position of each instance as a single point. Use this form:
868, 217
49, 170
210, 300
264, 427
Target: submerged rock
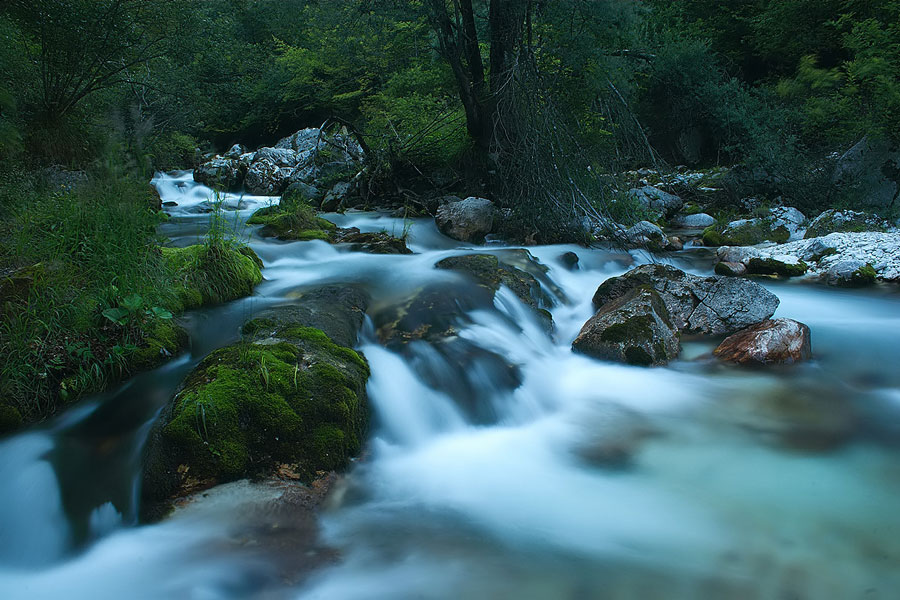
467, 220
286, 396
696, 305
489, 272
774, 341
633, 329
374, 242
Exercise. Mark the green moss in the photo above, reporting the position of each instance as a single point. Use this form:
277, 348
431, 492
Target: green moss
164, 339
292, 221
770, 266
864, 276
712, 237
635, 328
250, 406
638, 356
212, 274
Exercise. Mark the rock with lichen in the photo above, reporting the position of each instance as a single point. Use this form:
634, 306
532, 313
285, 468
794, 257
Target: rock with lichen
696, 305
635, 329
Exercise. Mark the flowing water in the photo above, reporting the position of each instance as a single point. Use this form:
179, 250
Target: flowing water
500, 464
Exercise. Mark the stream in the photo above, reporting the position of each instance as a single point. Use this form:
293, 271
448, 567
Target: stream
499, 464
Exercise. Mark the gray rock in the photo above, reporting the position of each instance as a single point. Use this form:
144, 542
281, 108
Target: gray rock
647, 234
282, 157
872, 168
301, 141
302, 192
696, 305
656, 200
265, 178
235, 152
633, 328
696, 221
468, 220
791, 219
849, 273
220, 173
335, 196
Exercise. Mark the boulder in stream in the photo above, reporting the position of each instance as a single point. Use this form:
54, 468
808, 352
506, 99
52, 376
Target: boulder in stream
288, 394
696, 305
774, 341
634, 328
466, 220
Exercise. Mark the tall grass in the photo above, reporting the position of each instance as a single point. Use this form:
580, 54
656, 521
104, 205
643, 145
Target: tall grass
66, 256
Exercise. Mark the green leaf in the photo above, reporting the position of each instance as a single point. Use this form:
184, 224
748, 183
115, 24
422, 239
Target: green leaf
133, 303
161, 313
116, 315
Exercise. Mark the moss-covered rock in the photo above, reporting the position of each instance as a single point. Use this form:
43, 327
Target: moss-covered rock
490, 273
782, 266
287, 394
212, 274
843, 221
746, 232
292, 222
850, 273
374, 242
634, 329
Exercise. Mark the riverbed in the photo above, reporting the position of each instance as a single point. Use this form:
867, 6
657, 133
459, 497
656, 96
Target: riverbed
499, 463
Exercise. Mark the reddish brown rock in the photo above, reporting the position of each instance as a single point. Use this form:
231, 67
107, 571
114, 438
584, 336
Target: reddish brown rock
774, 341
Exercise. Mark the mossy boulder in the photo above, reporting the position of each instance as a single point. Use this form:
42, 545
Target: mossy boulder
746, 232
490, 273
634, 329
288, 394
850, 273
843, 221
783, 266
292, 222
375, 242
209, 274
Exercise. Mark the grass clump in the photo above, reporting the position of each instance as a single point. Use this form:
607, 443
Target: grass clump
85, 293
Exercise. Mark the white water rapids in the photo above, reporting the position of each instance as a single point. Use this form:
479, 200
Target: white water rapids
581, 479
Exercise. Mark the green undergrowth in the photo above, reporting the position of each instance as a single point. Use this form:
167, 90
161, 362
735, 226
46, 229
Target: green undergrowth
87, 296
